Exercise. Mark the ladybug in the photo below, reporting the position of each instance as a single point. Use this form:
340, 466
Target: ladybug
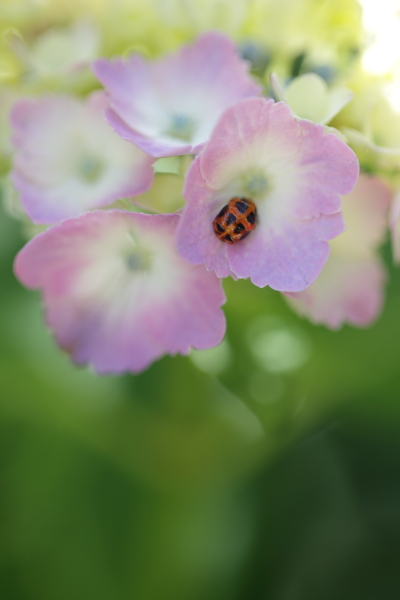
235, 220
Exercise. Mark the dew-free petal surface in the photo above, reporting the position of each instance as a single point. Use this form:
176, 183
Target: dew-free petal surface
117, 296
69, 161
170, 106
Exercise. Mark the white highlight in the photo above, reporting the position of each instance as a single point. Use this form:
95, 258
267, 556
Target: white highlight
382, 21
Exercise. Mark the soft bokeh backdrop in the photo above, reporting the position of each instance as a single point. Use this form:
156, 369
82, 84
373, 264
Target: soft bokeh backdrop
270, 470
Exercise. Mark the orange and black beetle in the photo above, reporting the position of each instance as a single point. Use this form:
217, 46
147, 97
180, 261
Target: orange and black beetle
235, 220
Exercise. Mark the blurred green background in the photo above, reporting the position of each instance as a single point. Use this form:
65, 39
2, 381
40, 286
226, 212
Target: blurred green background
266, 469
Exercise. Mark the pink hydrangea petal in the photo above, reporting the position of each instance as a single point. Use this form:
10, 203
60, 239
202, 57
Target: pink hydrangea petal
298, 207
333, 167
194, 241
131, 79
287, 259
56, 139
365, 212
245, 136
347, 291
198, 83
300, 155
153, 146
394, 228
106, 315
350, 287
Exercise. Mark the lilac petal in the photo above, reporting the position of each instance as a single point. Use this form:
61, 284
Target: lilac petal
330, 168
68, 160
117, 295
194, 241
286, 260
259, 133
351, 286
248, 135
152, 146
169, 107
347, 291
395, 229
365, 212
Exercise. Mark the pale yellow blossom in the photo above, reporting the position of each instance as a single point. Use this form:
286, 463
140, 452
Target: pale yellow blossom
309, 97
371, 124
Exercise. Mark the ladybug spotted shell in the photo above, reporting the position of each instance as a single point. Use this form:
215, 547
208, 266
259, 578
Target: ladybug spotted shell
235, 220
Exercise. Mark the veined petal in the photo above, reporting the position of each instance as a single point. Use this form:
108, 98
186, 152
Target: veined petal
366, 213
116, 293
169, 107
347, 291
351, 286
68, 160
289, 258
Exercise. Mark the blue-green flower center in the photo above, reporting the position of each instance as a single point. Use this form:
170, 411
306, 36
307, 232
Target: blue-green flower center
181, 127
90, 168
137, 258
255, 185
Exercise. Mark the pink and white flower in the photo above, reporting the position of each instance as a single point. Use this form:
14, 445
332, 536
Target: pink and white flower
169, 107
350, 288
292, 171
69, 161
116, 293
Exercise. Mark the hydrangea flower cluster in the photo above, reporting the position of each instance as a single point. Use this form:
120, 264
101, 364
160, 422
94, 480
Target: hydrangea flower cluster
122, 287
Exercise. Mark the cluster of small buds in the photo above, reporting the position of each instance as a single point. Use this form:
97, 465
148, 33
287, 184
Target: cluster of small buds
262, 195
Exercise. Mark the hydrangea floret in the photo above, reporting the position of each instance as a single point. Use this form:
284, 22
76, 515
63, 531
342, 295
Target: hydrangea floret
309, 97
350, 288
292, 170
58, 52
117, 295
69, 161
372, 126
170, 106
